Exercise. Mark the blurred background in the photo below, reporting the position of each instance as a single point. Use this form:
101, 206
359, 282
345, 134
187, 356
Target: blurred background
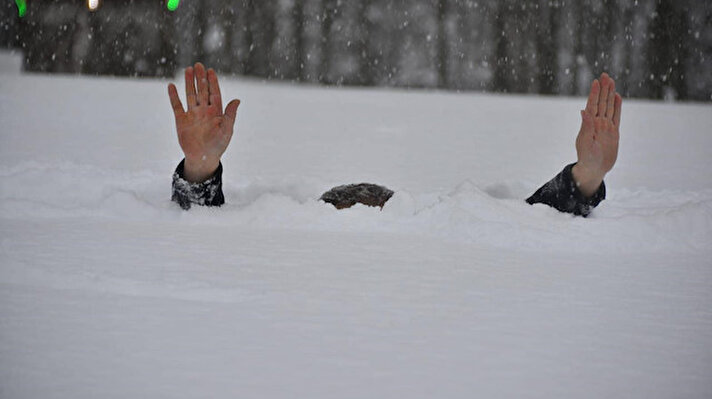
660, 49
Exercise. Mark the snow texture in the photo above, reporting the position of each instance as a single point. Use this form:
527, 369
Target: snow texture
456, 289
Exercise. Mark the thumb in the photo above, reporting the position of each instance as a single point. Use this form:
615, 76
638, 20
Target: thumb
231, 111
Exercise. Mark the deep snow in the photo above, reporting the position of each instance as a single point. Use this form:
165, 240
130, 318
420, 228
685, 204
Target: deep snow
456, 289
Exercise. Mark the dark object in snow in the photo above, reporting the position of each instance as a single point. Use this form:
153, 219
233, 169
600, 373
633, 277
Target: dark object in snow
207, 193
562, 193
348, 195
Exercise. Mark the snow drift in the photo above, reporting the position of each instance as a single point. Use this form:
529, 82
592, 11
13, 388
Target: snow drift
457, 288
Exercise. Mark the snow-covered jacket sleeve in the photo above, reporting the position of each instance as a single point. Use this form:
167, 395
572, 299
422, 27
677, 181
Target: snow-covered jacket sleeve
207, 193
562, 193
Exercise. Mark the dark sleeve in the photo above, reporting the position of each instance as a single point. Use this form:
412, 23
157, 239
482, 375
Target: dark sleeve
562, 193
207, 193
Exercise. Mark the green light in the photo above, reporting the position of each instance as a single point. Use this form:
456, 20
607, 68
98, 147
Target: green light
21, 7
172, 5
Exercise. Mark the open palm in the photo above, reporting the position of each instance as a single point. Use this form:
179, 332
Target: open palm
597, 141
204, 130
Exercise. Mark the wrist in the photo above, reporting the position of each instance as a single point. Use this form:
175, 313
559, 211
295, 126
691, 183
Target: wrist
587, 180
200, 169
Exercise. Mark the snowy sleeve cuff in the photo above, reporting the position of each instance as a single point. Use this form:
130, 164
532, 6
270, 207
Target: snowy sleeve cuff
208, 193
562, 193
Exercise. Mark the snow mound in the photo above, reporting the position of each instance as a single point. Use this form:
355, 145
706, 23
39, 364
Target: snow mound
457, 288
495, 215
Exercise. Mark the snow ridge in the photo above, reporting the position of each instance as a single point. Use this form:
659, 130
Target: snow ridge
495, 215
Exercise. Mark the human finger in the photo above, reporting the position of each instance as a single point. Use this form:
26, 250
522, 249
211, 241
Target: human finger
214, 88
618, 107
592, 102
175, 100
603, 97
610, 101
231, 112
202, 81
190, 96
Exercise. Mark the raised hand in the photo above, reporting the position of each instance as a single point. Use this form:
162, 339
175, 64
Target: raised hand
597, 141
204, 130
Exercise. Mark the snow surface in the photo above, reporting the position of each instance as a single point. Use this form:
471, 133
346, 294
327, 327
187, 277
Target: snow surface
457, 289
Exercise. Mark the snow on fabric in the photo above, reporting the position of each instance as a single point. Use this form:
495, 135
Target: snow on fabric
457, 288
